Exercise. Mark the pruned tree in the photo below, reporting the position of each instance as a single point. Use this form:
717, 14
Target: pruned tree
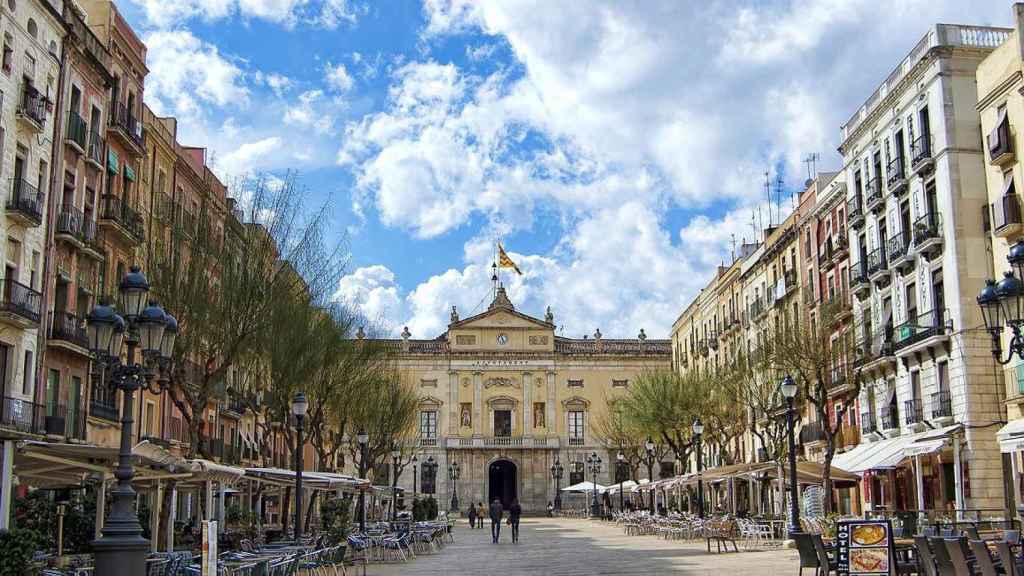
387, 412
817, 352
223, 277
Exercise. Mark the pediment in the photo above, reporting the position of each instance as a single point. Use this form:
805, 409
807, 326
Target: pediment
500, 318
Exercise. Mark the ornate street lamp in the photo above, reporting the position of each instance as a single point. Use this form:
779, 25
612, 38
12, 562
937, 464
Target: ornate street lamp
453, 476
121, 549
396, 455
649, 450
789, 390
299, 407
620, 463
362, 438
594, 463
1002, 306
556, 475
698, 432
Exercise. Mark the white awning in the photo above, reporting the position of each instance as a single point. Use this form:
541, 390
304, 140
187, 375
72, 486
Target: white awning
627, 486
314, 480
207, 471
584, 487
891, 452
1011, 436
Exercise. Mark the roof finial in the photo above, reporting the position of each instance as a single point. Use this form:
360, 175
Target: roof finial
549, 316
360, 333
455, 315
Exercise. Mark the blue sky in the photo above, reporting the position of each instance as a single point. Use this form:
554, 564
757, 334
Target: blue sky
617, 148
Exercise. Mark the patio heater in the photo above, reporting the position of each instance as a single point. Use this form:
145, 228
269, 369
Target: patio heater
621, 461
299, 407
594, 463
121, 549
788, 388
698, 432
414, 461
453, 475
556, 475
649, 449
362, 438
396, 455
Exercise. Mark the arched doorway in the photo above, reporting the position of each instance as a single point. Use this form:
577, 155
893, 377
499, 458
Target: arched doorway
501, 476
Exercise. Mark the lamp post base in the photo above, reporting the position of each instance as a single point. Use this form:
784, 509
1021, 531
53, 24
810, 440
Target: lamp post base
116, 555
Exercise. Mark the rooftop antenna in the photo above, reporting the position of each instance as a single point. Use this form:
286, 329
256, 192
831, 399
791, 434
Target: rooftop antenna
768, 195
778, 196
812, 164
733, 242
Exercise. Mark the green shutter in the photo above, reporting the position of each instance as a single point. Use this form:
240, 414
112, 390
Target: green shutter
1020, 378
129, 173
112, 161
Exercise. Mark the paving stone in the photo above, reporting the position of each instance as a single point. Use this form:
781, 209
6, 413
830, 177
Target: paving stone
570, 547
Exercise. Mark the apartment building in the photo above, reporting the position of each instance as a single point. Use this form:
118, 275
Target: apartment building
32, 42
1000, 79
73, 254
916, 210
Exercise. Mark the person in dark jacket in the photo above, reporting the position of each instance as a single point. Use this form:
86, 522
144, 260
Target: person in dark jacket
472, 515
496, 513
514, 512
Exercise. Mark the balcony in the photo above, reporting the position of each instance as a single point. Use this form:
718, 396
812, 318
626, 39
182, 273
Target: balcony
926, 330
523, 442
122, 220
177, 431
812, 432
867, 423
855, 211
899, 254
873, 200
104, 410
22, 416
913, 412
90, 246
841, 248
878, 269
77, 132
69, 226
825, 252
928, 234
921, 161
32, 108
942, 405
847, 436
860, 284
1008, 220
25, 204
789, 279
890, 419
67, 331
896, 176
19, 305
128, 128
875, 353
758, 309
1000, 145
94, 156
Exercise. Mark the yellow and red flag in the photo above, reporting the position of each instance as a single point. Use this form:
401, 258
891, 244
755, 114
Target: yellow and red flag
505, 262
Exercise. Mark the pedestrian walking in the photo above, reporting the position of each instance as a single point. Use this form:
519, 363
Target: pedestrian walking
496, 513
472, 515
514, 512
551, 510
481, 513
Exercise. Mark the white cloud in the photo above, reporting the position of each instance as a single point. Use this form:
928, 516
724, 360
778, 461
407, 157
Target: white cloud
186, 73
312, 110
337, 78
374, 291
323, 13
246, 158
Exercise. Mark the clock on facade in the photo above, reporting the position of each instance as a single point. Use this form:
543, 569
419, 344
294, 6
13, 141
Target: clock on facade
502, 339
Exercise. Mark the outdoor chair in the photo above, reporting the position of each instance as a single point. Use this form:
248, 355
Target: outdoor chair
808, 555
1010, 564
1012, 537
983, 559
943, 565
826, 565
955, 550
925, 558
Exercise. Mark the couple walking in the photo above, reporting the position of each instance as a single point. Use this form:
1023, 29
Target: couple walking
497, 512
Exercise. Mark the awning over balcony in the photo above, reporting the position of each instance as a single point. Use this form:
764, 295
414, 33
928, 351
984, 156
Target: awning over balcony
112, 162
891, 452
1011, 437
129, 173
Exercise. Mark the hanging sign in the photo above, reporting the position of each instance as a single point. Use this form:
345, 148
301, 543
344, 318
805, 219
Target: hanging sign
209, 548
865, 547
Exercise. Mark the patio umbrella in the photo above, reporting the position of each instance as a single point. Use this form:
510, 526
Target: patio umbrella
585, 487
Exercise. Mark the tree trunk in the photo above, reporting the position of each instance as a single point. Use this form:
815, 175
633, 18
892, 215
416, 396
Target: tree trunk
308, 519
165, 516
286, 505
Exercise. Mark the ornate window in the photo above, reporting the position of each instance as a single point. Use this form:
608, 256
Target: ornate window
428, 481
576, 427
428, 427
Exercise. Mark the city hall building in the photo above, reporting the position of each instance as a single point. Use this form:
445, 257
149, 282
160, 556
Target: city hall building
505, 397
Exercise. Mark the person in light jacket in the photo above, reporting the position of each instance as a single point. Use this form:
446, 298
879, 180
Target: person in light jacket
496, 513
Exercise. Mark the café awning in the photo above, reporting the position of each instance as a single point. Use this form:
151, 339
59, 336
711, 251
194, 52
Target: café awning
626, 486
55, 465
207, 471
314, 480
584, 487
892, 452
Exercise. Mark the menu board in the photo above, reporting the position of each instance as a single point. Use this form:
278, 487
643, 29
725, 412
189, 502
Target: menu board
865, 547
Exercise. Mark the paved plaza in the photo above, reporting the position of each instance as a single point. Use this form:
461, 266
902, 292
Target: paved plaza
569, 546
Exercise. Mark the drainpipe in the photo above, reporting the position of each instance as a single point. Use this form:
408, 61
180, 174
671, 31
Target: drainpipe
56, 170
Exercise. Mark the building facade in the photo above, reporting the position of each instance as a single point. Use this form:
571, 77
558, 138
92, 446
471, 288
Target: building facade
505, 397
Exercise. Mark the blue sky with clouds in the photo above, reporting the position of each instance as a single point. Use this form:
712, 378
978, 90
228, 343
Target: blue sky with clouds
616, 147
